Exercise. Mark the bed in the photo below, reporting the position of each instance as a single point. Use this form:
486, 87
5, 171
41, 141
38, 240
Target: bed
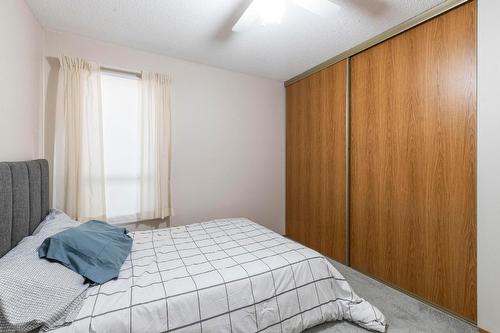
227, 275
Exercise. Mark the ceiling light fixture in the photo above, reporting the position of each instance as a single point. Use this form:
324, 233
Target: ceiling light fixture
271, 11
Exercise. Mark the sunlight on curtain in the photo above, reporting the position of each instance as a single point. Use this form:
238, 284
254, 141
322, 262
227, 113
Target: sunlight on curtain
78, 151
155, 146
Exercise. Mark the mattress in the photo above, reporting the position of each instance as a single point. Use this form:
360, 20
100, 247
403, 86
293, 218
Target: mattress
228, 275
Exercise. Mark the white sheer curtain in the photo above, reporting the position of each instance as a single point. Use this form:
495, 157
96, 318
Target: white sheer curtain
78, 152
155, 146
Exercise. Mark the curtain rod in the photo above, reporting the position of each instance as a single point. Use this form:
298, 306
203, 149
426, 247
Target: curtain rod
121, 71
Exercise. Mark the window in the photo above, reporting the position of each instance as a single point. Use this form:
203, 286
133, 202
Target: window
120, 110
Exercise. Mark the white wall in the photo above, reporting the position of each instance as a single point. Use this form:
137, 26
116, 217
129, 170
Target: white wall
488, 165
228, 132
21, 49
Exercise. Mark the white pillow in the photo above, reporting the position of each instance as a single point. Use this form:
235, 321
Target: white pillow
55, 222
36, 293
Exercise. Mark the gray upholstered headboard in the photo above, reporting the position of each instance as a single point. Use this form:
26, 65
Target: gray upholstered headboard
24, 200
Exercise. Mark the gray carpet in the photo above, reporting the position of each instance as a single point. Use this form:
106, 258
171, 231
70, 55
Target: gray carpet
404, 314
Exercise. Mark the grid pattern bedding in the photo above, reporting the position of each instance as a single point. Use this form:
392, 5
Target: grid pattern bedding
229, 275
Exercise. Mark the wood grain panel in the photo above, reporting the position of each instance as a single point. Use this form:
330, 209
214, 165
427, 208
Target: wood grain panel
413, 161
315, 161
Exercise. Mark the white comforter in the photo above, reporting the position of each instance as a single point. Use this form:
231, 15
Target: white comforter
227, 275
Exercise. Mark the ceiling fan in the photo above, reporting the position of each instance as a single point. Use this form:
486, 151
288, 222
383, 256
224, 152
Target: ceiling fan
271, 11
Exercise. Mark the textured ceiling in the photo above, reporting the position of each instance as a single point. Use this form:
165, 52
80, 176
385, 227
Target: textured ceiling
200, 30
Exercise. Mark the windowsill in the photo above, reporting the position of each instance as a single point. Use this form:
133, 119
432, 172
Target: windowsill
123, 222
125, 219
132, 220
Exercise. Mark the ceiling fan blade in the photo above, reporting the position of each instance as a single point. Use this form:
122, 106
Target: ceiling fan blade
249, 17
324, 8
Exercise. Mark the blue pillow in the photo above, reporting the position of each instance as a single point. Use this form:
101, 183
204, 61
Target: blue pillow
95, 250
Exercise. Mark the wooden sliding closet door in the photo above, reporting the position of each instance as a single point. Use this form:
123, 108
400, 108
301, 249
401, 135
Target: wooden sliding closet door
315, 161
413, 161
